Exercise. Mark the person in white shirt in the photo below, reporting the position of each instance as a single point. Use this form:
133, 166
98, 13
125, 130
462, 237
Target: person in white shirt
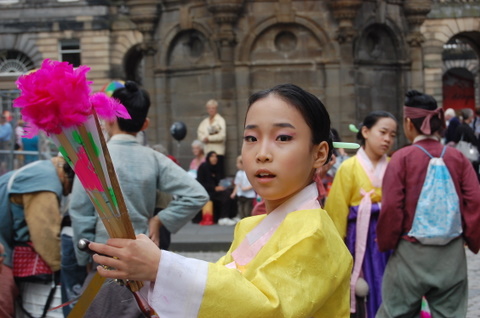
212, 131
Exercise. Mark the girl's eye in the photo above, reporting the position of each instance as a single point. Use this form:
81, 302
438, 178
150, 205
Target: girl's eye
284, 138
249, 138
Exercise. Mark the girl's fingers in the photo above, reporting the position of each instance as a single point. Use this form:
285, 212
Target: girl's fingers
107, 261
119, 242
111, 273
103, 249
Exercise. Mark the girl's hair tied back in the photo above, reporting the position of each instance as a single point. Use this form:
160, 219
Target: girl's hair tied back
131, 86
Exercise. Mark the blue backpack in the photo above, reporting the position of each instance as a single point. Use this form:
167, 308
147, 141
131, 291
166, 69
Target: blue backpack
437, 218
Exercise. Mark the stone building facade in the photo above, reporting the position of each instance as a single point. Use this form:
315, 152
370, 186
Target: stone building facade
355, 55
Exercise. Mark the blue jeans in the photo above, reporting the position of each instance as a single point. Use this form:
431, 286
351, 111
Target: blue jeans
72, 275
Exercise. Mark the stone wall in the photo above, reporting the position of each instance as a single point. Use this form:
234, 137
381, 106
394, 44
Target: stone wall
355, 55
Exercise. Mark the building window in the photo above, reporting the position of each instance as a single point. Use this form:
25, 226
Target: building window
15, 63
70, 51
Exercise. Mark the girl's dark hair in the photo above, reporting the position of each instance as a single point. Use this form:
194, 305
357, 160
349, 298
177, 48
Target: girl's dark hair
416, 99
312, 109
137, 102
370, 121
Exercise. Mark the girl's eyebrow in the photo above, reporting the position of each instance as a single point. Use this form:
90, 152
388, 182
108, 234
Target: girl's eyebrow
281, 125
284, 125
251, 126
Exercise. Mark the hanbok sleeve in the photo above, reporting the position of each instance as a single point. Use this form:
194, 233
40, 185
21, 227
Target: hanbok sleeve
339, 197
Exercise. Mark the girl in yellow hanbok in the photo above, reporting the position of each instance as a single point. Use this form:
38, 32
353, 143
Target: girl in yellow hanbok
354, 205
290, 262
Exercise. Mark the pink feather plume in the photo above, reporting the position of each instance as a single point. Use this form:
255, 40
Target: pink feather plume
57, 96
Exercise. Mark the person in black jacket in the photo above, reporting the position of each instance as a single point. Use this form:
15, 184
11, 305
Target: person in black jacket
209, 175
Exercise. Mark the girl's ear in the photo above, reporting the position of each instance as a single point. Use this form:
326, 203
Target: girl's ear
365, 132
320, 154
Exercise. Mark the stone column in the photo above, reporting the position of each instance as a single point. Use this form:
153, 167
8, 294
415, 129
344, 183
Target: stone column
144, 13
415, 13
344, 12
226, 14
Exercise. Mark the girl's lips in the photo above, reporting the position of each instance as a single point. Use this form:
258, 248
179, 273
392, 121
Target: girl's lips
264, 176
263, 173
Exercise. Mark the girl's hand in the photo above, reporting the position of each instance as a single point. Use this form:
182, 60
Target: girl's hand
129, 259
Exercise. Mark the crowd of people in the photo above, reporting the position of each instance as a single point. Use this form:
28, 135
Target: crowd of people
331, 235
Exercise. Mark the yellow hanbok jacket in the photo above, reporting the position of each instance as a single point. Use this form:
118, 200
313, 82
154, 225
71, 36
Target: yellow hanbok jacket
345, 192
303, 270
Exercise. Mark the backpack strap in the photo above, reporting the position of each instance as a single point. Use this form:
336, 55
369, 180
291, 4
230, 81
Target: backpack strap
428, 154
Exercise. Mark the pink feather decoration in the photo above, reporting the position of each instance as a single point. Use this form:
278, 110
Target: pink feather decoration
107, 107
57, 96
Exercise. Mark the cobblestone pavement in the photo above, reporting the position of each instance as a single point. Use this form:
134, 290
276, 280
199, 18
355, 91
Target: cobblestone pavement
473, 276
474, 285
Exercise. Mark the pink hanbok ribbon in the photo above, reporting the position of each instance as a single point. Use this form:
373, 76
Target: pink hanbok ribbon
363, 222
261, 234
375, 175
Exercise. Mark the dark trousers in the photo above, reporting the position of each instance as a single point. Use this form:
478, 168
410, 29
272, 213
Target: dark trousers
223, 205
72, 275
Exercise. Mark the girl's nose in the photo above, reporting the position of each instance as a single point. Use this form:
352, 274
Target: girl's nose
264, 157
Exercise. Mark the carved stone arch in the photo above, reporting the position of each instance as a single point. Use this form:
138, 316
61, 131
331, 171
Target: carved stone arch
438, 33
123, 45
25, 43
244, 48
14, 62
469, 58
172, 36
379, 43
461, 76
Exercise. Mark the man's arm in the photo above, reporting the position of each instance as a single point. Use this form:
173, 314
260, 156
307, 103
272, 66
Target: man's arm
190, 196
392, 213
222, 133
43, 218
202, 130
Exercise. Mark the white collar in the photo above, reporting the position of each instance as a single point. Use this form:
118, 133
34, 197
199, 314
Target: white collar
423, 137
125, 137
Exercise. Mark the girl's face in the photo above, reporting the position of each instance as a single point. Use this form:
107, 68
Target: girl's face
380, 137
213, 159
278, 156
